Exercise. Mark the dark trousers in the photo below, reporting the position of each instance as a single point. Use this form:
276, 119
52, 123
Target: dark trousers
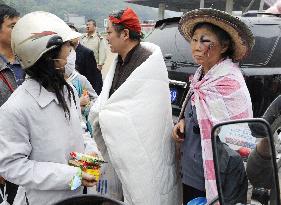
190, 193
11, 190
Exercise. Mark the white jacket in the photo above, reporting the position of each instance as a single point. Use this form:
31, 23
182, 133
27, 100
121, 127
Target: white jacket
133, 131
35, 142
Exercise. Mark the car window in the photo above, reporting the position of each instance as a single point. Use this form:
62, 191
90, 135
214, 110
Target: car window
267, 41
171, 42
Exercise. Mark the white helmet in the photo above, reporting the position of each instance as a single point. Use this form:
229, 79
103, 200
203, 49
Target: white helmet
36, 33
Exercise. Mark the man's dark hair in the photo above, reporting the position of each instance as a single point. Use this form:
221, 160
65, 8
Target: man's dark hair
93, 21
71, 25
7, 12
222, 35
133, 35
52, 79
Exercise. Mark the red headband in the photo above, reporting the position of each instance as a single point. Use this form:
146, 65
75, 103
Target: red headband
129, 19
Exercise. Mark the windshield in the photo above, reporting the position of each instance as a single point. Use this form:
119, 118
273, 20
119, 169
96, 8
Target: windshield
171, 42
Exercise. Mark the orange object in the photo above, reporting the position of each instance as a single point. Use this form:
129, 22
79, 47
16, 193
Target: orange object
85, 93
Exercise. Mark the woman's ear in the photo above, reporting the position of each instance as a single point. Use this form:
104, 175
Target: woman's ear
225, 47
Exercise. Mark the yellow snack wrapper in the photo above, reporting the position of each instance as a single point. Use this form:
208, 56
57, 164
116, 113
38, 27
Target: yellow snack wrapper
94, 172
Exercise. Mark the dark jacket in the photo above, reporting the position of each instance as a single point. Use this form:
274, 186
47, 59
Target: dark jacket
232, 174
7, 82
260, 170
87, 66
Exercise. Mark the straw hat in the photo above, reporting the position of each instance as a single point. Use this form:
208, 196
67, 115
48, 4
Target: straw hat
241, 36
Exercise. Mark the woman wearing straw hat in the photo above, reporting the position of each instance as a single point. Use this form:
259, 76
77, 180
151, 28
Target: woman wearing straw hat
217, 93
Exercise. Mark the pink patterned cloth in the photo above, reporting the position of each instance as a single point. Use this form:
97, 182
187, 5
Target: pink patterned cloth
220, 95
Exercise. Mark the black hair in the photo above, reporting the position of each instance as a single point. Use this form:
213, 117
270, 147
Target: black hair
92, 20
7, 12
133, 35
222, 35
52, 79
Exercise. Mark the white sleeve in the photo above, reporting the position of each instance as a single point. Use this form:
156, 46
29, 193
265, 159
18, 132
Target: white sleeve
16, 167
90, 144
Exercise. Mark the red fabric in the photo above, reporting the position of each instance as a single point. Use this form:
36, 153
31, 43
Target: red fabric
128, 19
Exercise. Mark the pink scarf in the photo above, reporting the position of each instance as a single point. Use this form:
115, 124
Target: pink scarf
219, 96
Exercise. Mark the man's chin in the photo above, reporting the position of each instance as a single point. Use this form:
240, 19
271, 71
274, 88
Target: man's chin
113, 50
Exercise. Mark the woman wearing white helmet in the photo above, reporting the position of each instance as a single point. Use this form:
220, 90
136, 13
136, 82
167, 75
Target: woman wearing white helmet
40, 124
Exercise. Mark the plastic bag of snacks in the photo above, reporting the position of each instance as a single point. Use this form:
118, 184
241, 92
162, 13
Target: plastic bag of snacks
89, 164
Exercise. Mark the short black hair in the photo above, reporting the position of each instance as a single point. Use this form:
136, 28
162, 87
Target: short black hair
222, 35
133, 35
94, 22
7, 12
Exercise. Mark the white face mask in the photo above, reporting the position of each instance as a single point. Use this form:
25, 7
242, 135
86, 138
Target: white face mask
70, 65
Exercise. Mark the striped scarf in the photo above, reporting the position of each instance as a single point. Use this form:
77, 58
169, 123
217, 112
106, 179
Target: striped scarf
219, 96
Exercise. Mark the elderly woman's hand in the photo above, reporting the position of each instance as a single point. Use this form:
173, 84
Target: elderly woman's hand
178, 131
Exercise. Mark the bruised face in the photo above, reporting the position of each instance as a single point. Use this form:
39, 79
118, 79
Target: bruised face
116, 41
207, 49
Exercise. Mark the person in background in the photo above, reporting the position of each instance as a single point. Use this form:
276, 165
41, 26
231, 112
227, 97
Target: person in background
83, 87
218, 92
86, 64
94, 41
40, 122
259, 164
132, 118
11, 73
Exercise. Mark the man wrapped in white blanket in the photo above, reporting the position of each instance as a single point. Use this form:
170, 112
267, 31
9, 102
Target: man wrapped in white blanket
133, 122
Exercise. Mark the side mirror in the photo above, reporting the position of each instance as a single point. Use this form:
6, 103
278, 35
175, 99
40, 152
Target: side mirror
245, 163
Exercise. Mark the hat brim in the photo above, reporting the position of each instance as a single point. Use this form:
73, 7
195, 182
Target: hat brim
241, 36
71, 35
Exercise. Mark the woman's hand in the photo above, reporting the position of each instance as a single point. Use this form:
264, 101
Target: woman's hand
178, 131
84, 100
88, 180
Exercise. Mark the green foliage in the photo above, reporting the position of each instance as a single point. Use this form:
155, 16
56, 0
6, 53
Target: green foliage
96, 9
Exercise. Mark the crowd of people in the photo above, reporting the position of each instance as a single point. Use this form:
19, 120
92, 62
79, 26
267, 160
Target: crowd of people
53, 102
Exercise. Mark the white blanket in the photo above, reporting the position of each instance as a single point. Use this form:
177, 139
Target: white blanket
133, 131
